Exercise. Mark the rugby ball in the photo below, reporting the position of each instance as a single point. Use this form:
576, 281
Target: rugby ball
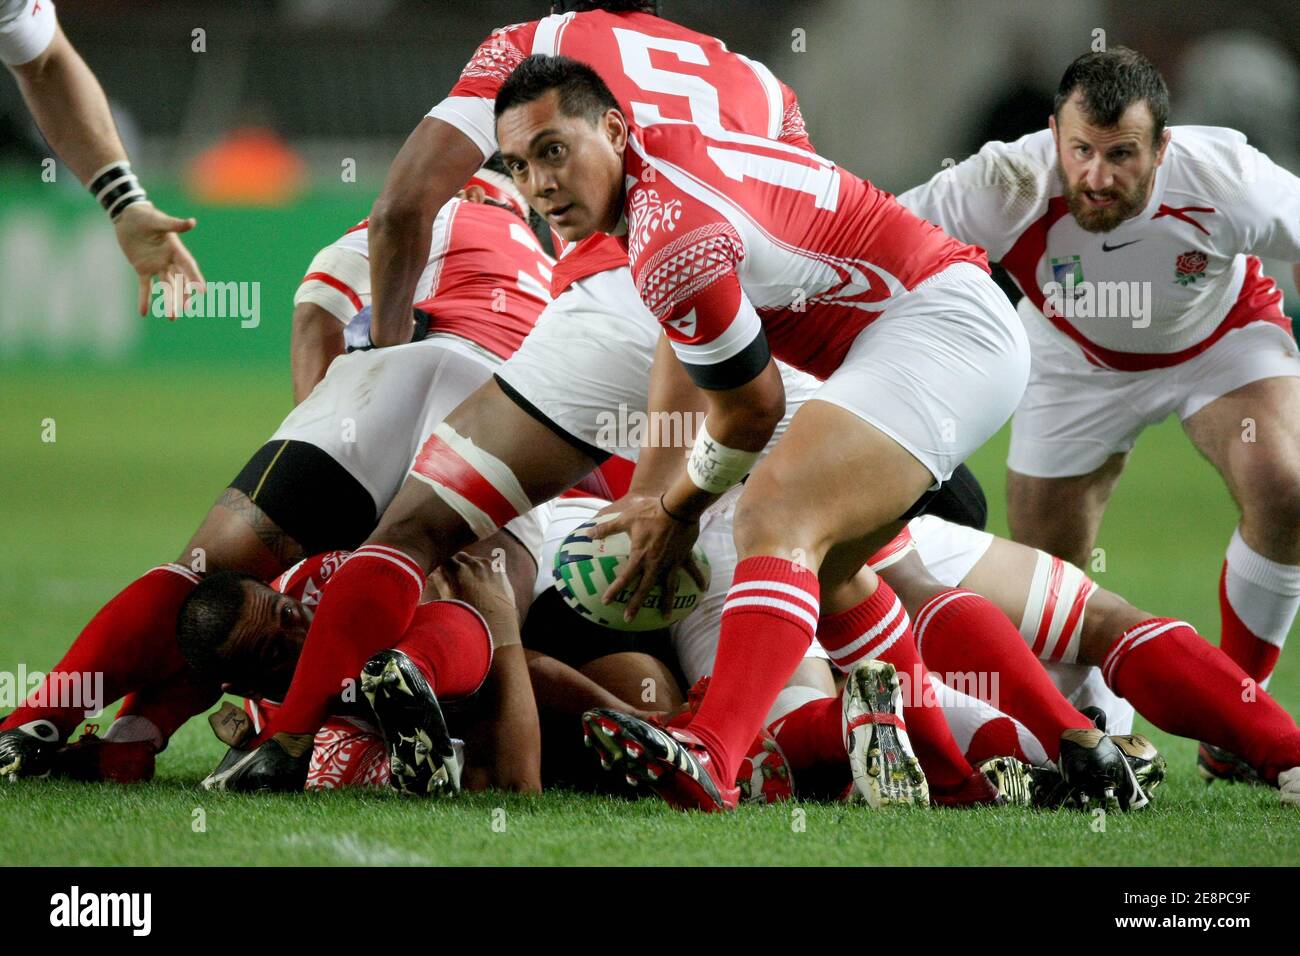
585, 567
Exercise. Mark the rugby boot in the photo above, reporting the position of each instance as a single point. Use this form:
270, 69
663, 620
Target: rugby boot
28, 751
672, 762
421, 756
885, 769
271, 767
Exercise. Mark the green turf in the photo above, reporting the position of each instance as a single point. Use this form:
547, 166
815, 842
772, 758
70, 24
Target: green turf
139, 456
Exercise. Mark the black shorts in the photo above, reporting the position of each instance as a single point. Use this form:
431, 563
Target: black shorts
310, 496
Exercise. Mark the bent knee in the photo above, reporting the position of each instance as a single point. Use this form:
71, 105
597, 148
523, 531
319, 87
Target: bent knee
1107, 617
1271, 491
768, 522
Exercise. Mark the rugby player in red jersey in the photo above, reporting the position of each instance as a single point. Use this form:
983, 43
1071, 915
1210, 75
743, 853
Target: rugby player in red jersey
534, 430
745, 248
335, 462
244, 635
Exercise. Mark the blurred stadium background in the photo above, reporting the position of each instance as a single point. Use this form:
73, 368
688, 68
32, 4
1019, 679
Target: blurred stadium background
254, 136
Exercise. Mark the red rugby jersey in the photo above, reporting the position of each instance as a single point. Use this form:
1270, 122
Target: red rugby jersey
740, 246
660, 71
487, 278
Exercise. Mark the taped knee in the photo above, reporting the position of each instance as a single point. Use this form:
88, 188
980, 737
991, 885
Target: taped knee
474, 483
1052, 624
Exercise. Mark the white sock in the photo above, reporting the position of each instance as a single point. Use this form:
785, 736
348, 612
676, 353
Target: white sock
1264, 594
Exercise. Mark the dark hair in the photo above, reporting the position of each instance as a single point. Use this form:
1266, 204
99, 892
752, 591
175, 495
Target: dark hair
582, 92
1111, 82
497, 164
207, 617
609, 6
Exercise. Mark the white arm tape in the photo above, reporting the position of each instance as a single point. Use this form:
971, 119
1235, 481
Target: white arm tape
713, 466
346, 267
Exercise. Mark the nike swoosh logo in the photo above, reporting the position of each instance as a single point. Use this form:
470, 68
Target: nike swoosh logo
1106, 248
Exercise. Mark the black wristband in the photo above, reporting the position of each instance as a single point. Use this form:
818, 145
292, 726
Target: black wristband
671, 515
115, 188
111, 173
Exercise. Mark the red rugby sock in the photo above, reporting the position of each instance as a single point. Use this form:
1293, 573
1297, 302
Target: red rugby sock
880, 628
156, 712
128, 644
767, 624
449, 642
958, 631
812, 734
367, 606
997, 737
1188, 687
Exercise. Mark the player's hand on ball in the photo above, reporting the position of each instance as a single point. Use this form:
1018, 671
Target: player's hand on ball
660, 545
149, 238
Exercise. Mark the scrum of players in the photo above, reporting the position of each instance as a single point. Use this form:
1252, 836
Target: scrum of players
384, 601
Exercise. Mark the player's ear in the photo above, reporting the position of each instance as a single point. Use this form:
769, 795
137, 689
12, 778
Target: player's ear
1164, 144
473, 193
615, 126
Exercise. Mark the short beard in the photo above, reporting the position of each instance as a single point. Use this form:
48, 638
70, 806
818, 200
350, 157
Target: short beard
1091, 219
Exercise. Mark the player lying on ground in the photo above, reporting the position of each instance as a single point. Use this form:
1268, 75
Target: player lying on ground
245, 636
1193, 208
964, 587
1104, 652
335, 462
817, 724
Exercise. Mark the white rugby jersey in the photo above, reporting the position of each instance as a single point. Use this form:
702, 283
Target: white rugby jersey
1217, 205
26, 29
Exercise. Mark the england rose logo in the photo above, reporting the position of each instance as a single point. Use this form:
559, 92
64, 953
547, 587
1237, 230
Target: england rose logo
1190, 267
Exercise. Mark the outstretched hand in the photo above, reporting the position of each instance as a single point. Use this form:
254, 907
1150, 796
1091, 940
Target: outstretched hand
151, 241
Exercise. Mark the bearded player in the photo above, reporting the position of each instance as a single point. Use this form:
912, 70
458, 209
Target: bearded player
1109, 195
336, 461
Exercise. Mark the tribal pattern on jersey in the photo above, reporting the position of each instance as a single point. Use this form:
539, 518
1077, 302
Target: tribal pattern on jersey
687, 266
496, 58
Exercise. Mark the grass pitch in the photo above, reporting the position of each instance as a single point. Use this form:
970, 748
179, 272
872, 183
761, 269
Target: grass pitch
140, 454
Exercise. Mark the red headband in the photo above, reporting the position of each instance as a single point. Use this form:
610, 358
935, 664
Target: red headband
501, 189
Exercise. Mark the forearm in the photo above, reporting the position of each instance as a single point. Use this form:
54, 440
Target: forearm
431, 168
70, 108
399, 250
738, 420
562, 690
316, 342
511, 738
671, 391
